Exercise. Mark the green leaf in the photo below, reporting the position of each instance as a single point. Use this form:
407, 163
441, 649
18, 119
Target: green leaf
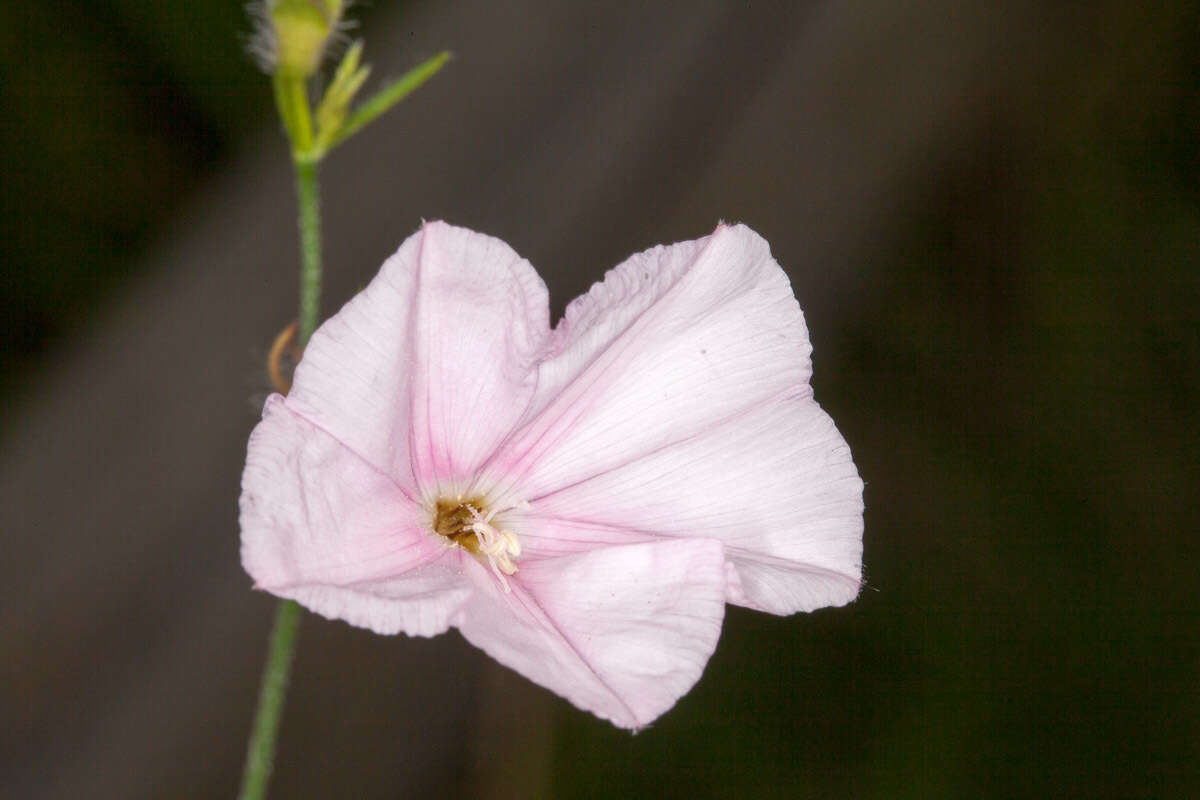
392, 94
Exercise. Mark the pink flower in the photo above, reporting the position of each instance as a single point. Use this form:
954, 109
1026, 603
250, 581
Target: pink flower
581, 501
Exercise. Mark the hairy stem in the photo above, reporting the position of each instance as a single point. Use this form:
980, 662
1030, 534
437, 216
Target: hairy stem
310, 249
260, 755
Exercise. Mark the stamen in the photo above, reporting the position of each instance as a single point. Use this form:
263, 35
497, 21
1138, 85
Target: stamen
462, 521
499, 546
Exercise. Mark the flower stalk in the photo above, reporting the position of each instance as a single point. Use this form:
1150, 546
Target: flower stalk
293, 37
310, 248
260, 755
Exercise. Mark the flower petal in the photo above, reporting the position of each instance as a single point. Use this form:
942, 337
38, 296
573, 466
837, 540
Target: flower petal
426, 370
671, 340
623, 632
678, 403
322, 526
775, 483
482, 320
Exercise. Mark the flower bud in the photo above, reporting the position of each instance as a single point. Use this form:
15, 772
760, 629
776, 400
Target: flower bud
293, 34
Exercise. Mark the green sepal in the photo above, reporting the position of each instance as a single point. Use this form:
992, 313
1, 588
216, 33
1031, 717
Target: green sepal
389, 96
347, 80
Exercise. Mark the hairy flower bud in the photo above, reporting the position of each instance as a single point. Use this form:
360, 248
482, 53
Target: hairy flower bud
292, 36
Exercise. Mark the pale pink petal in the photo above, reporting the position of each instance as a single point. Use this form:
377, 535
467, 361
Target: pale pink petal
671, 340
622, 632
775, 483
554, 529
426, 369
678, 404
421, 603
322, 526
354, 380
482, 320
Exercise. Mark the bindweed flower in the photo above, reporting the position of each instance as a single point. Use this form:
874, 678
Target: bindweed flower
579, 501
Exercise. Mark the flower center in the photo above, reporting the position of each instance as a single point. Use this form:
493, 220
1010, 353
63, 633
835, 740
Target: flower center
467, 523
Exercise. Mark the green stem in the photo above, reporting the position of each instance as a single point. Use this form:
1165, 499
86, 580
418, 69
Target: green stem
291, 100
297, 100
260, 755
310, 248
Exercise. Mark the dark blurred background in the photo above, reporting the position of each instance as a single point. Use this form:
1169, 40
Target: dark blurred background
990, 213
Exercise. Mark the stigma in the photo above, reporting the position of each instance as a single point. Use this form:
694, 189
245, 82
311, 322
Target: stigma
468, 523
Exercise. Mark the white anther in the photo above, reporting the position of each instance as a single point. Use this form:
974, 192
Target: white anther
499, 546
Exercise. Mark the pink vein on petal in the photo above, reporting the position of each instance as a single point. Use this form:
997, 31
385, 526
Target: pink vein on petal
607, 356
732, 550
788, 393
555, 628
341, 443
